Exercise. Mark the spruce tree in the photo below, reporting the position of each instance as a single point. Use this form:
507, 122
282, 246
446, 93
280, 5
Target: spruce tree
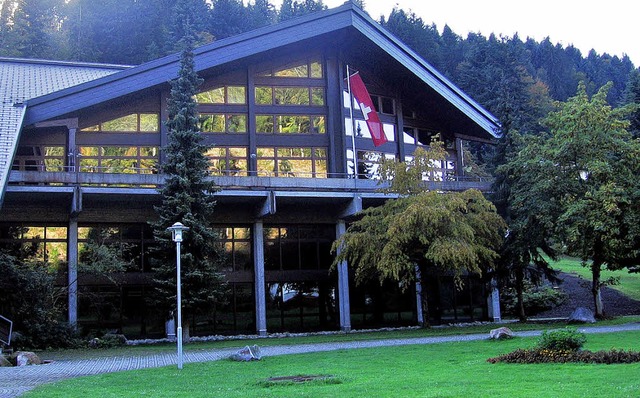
187, 198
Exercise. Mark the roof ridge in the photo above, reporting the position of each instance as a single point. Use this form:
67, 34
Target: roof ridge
38, 61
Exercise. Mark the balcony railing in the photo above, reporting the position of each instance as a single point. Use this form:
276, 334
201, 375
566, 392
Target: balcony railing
300, 181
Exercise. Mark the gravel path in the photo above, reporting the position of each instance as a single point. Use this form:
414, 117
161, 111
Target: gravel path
579, 295
17, 380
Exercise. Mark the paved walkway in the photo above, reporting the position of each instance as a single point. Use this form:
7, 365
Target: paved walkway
17, 380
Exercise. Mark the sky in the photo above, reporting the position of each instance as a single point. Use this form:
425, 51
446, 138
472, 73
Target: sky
608, 27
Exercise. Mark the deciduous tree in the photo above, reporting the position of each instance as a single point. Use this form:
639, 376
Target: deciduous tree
456, 233
580, 185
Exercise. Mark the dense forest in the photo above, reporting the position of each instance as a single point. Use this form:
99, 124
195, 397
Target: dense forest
491, 69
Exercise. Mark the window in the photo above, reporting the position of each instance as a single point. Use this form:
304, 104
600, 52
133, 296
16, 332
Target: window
133, 123
117, 159
303, 69
234, 95
228, 161
39, 158
384, 105
418, 136
290, 124
362, 130
236, 241
296, 247
42, 243
222, 123
368, 163
292, 162
300, 96
132, 242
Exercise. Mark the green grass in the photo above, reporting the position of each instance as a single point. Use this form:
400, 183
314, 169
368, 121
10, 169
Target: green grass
440, 370
629, 283
340, 337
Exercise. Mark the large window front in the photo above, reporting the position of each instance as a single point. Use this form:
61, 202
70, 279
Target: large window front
235, 95
230, 161
133, 123
298, 247
290, 124
268, 95
41, 243
236, 241
39, 158
292, 162
223, 123
131, 242
118, 159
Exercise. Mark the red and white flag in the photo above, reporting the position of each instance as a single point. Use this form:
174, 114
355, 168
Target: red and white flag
361, 95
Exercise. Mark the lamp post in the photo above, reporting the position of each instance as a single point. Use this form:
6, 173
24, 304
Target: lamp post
176, 234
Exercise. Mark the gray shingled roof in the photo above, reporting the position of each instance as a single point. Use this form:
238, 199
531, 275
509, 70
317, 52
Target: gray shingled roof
23, 79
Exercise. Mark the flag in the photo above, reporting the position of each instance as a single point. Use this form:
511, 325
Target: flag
361, 95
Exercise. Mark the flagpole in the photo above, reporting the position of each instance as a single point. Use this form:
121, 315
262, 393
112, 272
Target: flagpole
353, 126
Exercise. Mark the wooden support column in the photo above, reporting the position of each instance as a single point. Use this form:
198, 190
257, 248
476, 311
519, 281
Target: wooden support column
343, 285
259, 280
459, 158
494, 302
419, 313
72, 261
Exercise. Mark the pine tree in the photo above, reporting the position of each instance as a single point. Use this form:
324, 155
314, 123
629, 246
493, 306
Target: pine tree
187, 198
632, 98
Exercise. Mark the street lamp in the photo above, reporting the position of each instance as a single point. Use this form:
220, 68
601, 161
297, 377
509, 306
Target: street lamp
176, 234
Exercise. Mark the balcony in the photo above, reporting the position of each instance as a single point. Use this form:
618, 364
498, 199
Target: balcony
297, 183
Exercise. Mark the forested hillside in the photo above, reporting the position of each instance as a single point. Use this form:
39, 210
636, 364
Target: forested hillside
491, 69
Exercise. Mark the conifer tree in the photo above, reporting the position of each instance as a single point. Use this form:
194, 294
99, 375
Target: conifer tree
187, 198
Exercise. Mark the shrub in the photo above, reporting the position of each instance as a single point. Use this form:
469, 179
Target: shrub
31, 300
536, 299
567, 339
538, 355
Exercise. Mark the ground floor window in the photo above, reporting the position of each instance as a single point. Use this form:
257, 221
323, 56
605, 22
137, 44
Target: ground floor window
298, 247
300, 306
46, 244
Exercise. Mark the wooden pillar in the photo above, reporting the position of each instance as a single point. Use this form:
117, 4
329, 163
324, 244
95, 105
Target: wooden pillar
72, 265
343, 285
419, 313
259, 280
494, 302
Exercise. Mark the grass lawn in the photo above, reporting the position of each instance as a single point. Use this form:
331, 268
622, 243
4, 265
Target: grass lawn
441, 370
629, 283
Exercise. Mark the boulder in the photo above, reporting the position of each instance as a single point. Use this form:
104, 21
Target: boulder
24, 358
581, 315
501, 334
4, 362
247, 354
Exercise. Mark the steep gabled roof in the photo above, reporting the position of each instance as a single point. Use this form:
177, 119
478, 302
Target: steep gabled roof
23, 79
235, 48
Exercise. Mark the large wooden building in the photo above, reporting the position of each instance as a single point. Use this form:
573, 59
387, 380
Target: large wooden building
80, 145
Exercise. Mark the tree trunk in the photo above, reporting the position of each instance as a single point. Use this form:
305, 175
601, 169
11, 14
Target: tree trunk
425, 309
424, 303
186, 336
595, 288
520, 294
